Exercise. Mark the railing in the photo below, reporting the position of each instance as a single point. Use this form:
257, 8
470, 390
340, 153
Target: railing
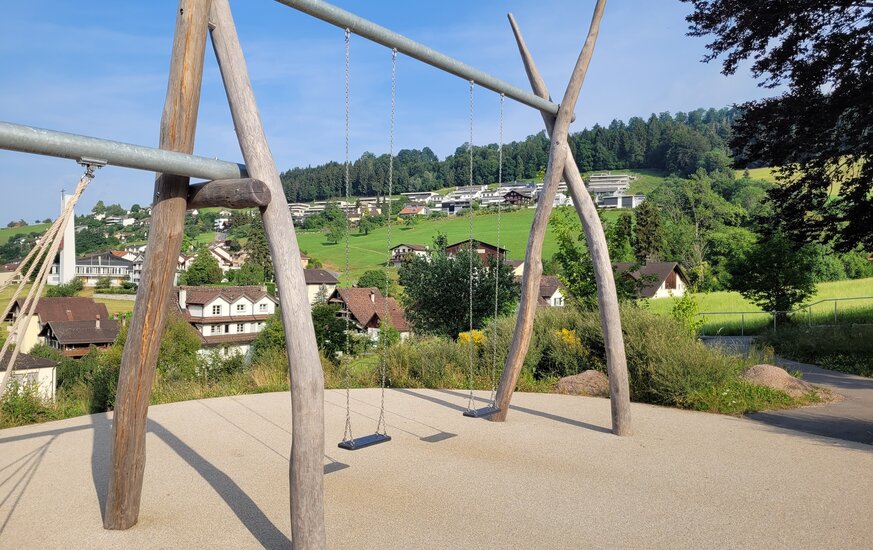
867, 318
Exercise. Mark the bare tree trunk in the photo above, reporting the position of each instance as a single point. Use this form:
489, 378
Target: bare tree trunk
306, 472
140, 357
533, 265
610, 318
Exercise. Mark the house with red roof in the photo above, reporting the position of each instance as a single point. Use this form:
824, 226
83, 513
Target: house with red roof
366, 309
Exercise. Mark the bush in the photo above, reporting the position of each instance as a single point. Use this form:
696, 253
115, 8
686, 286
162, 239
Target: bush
65, 291
848, 349
22, 404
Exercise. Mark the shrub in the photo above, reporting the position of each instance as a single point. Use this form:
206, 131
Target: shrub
22, 404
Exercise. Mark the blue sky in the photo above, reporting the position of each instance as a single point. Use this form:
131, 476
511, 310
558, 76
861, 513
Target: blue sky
100, 68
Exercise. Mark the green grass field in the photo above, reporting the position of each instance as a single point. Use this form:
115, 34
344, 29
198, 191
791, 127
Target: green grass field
370, 251
756, 320
7, 232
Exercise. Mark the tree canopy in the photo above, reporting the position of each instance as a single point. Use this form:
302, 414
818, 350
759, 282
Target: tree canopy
818, 130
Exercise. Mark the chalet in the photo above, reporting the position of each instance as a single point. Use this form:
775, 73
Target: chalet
320, 284
92, 267
75, 338
485, 250
517, 198
517, 267
366, 309
409, 211
227, 318
550, 294
656, 279
403, 252
29, 369
56, 310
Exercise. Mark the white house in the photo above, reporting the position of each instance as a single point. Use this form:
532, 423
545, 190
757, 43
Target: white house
403, 252
227, 318
656, 279
550, 294
37, 371
320, 284
621, 201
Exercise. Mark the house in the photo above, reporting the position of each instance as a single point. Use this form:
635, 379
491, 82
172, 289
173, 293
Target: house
75, 338
517, 198
304, 260
622, 201
454, 207
320, 284
29, 369
608, 185
517, 267
227, 318
7, 271
403, 252
55, 310
366, 309
92, 267
550, 294
485, 250
221, 224
226, 260
656, 279
409, 211
420, 197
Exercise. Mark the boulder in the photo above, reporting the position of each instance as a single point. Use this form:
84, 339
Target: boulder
590, 382
777, 378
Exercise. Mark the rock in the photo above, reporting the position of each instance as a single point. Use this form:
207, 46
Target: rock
590, 382
777, 378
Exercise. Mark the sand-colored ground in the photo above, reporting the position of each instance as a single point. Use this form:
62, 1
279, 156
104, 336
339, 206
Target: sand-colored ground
552, 476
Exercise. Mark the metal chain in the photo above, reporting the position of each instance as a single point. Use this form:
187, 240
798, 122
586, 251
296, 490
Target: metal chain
383, 366
470, 218
493, 398
347, 434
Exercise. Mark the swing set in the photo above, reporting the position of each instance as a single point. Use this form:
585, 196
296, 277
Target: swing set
256, 185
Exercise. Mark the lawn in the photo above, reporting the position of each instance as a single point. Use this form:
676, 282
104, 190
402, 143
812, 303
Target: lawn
7, 232
370, 251
847, 311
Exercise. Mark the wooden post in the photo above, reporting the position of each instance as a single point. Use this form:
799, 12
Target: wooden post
307, 380
239, 193
610, 318
533, 266
138, 363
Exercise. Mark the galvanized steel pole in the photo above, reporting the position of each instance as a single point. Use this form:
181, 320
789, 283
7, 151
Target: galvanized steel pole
27, 139
381, 35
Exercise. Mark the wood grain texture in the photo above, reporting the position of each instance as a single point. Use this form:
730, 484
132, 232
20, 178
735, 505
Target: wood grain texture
610, 318
178, 125
533, 265
238, 193
306, 472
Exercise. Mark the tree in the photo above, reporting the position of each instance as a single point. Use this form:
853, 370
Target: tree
66, 290
648, 232
366, 224
818, 131
437, 291
99, 208
258, 249
204, 270
248, 274
336, 231
330, 330
775, 274
374, 278
621, 239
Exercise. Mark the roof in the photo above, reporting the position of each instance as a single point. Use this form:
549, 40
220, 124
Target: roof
480, 243
652, 275
363, 307
83, 332
418, 247
519, 193
26, 362
514, 263
412, 210
548, 285
68, 309
202, 295
105, 258
319, 277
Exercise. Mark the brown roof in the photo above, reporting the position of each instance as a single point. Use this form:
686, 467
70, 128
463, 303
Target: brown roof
204, 294
652, 275
26, 362
418, 247
477, 242
366, 303
513, 263
82, 332
411, 210
319, 277
68, 309
548, 285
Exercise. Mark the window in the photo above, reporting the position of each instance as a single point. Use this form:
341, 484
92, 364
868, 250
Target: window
240, 307
262, 307
214, 329
216, 310
240, 327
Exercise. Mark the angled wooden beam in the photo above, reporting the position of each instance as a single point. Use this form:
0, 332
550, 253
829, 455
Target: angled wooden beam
306, 471
239, 193
533, 266
139, 360
607, 297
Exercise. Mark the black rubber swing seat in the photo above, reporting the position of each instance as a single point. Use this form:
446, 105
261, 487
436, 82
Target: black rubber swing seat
364, 441
484, 411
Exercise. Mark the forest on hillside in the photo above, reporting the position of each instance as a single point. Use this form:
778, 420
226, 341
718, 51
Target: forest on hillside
676, 144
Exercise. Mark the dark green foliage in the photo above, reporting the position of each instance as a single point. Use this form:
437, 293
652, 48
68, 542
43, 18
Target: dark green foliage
66, 290
248, 274
374, 279
620, 239
648, 233
177, 358
437, 291
330, 330
204, 270
848, 349
818, 128
258, 250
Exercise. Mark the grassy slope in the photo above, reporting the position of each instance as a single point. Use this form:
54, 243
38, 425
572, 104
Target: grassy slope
7, 232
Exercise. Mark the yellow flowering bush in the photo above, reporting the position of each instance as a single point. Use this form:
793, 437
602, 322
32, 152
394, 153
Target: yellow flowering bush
478, 337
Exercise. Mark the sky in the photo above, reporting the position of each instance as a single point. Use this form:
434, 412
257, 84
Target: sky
99, 68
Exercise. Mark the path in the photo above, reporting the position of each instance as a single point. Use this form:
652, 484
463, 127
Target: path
552, 476
850, 419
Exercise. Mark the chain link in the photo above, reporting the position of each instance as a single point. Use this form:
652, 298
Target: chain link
347, 434
470, 219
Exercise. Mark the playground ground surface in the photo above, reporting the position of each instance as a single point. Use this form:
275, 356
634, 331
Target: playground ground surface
552, 476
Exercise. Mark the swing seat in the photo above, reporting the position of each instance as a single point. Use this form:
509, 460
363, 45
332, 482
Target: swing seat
364, 441
482, 412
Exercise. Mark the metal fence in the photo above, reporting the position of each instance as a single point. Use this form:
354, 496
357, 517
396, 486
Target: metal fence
798, 315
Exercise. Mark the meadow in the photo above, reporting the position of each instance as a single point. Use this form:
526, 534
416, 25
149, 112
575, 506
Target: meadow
7, 232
